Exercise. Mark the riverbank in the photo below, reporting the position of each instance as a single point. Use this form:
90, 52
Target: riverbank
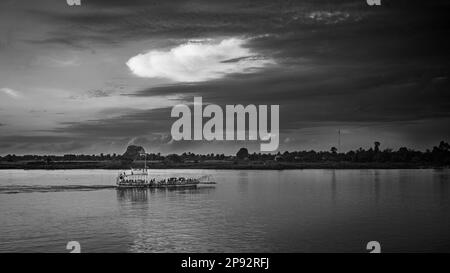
213, 164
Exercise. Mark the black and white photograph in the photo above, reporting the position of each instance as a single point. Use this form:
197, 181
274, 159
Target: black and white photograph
224, 126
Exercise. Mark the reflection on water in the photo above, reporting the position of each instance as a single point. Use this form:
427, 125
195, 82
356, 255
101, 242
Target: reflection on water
167, 219
333, 186
246, 211
376, 185
243, 181
442, 187
143, 195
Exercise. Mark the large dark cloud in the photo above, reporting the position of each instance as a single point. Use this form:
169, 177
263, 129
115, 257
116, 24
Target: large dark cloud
296, 22
116, 21
355, 94
137, 123
39, 144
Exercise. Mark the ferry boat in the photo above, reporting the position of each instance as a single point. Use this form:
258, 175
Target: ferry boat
141, 179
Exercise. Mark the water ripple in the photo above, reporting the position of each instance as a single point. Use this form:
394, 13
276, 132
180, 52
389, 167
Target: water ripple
12, 189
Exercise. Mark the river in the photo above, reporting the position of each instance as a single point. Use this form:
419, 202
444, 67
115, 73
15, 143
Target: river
246, 211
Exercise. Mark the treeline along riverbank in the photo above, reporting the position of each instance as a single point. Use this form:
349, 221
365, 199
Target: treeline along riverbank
136, 157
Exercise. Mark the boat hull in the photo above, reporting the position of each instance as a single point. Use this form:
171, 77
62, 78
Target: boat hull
125, 186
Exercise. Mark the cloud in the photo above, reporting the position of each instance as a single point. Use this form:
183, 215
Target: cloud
57, 62
10, 92
199, 60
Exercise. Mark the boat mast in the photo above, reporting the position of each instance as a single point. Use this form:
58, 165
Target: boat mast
145, 159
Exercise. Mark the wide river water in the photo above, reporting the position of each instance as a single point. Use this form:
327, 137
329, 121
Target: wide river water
246, 211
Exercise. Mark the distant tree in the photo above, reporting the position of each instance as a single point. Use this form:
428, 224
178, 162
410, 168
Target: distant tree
242, 153
377, 146
133, 152
279, 158
333, 150
444, 146
174, 158
48, 159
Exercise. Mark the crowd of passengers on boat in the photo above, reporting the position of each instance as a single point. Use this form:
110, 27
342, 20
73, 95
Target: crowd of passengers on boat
168, 181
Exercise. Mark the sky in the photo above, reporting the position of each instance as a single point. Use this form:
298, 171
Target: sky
98, 77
